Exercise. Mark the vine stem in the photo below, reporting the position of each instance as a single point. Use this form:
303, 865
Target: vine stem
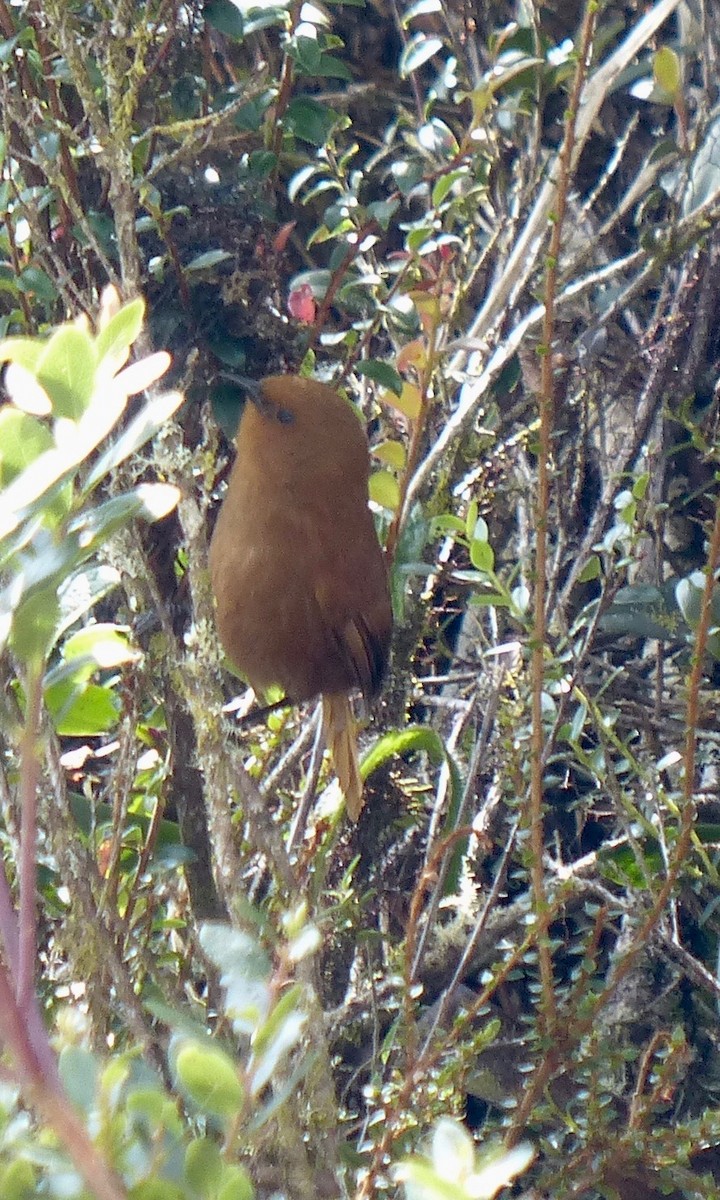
29, 779
546, 415
701, 640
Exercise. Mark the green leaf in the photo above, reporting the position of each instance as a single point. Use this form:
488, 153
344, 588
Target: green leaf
7, 48
407, 175
18, 1181
471, 519
210, 258
306, 53
311, 59
35, 283
392, 453
82, 590
186, 95
25, 392
689, 595
383, 373
667, 71
418, 51
141, 428
250, 117
383, 211
22, 439
453, 874
482, 556
66, 370
79, 1072
591, 570
157, 1189
114, 341
477, 526
384, 490
277, 1036
203, 1166
224, 16
150, 1108
261, 164
446, 523
95, 525
452, 1148
88, 712
409, 402
444, 184
520, 597
209, 1078
106, 644
310, 120
620, 865
418, 236
35, 623
236, 1184
257, 19
403, 741
22, 350
642, 610
244, 973
231, 351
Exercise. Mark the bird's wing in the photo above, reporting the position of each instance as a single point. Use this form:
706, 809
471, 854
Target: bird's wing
361, 633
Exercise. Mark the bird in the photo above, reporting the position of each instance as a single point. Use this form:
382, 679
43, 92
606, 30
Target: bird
299, 578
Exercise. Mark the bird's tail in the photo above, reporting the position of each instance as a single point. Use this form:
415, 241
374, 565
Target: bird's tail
340, 739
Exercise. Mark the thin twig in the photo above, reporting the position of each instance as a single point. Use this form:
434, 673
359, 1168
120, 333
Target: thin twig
547, 418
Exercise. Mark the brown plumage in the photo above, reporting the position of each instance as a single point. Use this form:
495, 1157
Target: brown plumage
299, 577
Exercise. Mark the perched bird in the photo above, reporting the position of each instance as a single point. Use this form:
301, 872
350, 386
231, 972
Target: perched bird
299, 578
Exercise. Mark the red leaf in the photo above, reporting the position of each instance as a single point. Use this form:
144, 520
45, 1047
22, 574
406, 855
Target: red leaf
282, 236
301, 304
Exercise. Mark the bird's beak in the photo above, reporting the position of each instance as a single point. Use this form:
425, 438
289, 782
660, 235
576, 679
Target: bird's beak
248, 385
234, 403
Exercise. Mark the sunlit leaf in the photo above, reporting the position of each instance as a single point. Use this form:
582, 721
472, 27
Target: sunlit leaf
277, 1036
24, 351
412, 354
25, 392
66, 371
402, 741
209, 1078
22, 440
419, 49
107, 644
210, 258
667, 71
34, 625
118, 334
203, 1165
384, 490
236, 1183
409, 402
143, 374
149, 420
390, 452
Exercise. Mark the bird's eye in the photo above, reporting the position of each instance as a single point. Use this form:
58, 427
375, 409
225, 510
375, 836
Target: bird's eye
284, 416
